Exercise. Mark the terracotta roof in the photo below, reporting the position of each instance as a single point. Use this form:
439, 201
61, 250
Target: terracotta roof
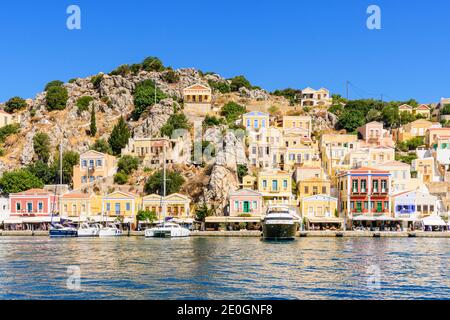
34, 192
423, 107
405, 106
76, 196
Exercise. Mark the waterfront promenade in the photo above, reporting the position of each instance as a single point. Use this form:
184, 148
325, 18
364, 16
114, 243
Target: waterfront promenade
256, 234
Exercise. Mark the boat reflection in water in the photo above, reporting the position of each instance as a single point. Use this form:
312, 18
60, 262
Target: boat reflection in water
280, 223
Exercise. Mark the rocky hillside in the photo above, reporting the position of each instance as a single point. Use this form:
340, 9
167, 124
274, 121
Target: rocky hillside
113, 97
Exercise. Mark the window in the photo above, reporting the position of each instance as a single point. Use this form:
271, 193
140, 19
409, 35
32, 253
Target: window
248, 123
306, 190
83, 179
91, 163
263, 123
40, 206
99, 163
324, 190
18, 206
254, 150
84, 163
386, 205
256, 124
236, 205
383, 185
108, 207
315, 190
431, 208
285, 184
255, 205
355, 185
264, 183
366, 205
128, 206
359, 206
275, 185
363, 185
29, 207
375, 186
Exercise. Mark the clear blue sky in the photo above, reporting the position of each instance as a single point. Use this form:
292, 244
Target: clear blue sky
276, 44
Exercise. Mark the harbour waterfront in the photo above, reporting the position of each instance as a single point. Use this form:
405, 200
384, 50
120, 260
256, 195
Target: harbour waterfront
225, 268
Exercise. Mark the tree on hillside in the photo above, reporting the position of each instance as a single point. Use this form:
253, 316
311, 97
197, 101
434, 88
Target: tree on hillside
70, 159
154, 184
54, 83
239, 82
127, 164
144, 97
15, 104
18, 181
176, 121
101, 145
41, 146
119, 136
232, 111
47, 174
56, 98
83, 103
350, 121
8, 130
93, 127
242, 171
152, 64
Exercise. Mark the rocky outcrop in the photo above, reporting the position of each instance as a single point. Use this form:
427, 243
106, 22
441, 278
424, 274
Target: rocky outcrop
223, 181
154, 119
256, 94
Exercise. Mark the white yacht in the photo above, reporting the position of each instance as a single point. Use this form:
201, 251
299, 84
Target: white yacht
87, 230
280, 223
167, 230
110, 231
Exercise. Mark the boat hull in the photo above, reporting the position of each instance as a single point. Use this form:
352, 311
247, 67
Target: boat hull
109, 233
279, 231
164, 233
63, 233
88, 233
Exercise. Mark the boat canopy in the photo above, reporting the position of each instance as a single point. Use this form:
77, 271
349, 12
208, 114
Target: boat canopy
19, 220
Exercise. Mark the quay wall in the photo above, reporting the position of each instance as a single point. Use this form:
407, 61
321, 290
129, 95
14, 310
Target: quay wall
257, 234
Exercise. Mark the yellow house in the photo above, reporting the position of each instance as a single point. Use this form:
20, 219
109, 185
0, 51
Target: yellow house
320, 212
93, 166
197, 99
249, 182
424, 168
424, 111
177, 205
75, 206
333, 149
313, 186
432, 136
414, 129
405, 108
300, 123
256, 120
120, 204
275, 187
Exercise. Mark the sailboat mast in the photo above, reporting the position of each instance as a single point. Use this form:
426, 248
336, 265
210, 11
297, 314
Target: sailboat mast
164, 187
60, 165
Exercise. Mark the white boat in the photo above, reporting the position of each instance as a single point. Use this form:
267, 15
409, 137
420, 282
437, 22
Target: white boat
110, 231
87, 230
61, 231
280, 223
167, 230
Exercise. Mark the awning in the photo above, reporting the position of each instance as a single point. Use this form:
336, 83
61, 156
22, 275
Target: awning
374, 218
325, 220
232, 219
434, 221
19, 220
185, 220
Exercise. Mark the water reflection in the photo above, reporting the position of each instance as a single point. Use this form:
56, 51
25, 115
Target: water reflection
224, 268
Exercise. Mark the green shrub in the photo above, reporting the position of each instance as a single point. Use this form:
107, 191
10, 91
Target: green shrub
170, 76
239, 82
119, 136
120, 178
122, 70
72, 80
211, 121
54, 83
7, 131
96, 80
176, 121
174, 181
14, 104
93, 125
18, 181
127, 164
144, 97
152, 64
41, 145
101, 145
232, 111
56, 98
222, 87
83, 103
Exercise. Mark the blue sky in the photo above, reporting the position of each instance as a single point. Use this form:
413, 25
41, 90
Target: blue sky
275, 44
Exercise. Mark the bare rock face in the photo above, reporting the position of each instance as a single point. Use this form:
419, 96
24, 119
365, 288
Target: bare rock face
28, 150
323, 120
150, 125
223, 181
119, 91
260, 95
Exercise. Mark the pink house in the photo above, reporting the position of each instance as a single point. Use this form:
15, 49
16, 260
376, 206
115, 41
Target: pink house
245, 201
33, 203
373, 133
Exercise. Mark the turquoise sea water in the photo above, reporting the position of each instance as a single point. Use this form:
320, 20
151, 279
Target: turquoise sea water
224, 268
